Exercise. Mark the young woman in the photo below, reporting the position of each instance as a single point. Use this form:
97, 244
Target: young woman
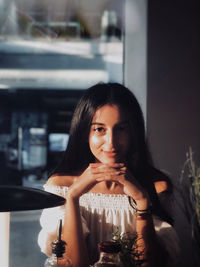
109, 182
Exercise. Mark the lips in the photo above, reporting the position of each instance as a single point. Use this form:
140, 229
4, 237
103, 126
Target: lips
110, 153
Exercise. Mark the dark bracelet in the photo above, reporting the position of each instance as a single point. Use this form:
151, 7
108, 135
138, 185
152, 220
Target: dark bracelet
142, 216
133, 204
146, 211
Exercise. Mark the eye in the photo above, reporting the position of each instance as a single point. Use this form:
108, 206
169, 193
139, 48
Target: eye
99, 130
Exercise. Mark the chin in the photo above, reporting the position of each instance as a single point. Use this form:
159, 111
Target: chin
110, 160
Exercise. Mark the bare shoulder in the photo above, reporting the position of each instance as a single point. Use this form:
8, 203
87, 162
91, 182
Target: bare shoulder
60, 180
161, 186
161, 181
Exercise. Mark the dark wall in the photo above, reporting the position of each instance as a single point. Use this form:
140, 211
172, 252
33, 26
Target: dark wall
173, 97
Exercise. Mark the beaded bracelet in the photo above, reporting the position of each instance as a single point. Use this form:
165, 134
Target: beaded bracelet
133, 204
146, 211
143, 214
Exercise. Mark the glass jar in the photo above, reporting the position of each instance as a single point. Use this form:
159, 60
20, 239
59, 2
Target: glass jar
109, 254
58, 257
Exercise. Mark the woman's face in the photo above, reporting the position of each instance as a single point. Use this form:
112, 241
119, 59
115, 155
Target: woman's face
109, 137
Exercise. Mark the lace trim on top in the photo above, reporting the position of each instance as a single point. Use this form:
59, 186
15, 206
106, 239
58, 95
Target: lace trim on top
95, 200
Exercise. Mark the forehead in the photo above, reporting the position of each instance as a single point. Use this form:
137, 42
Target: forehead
108, 113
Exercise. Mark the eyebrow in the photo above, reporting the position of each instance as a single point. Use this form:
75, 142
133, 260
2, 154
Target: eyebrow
100, 123
97, 123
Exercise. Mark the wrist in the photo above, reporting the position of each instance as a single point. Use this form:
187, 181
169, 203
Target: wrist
71, 196
143, 204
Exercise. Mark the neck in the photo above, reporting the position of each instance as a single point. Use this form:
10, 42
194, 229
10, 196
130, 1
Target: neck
107, 188
110, 185
111, 188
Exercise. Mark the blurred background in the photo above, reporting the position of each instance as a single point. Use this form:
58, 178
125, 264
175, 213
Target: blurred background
51, 51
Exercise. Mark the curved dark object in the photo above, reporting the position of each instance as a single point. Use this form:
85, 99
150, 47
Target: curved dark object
16, 198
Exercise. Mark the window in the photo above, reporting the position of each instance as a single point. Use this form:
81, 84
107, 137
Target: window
48, 45
61, 44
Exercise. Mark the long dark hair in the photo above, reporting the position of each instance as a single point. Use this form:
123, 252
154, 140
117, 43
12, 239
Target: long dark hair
78, 155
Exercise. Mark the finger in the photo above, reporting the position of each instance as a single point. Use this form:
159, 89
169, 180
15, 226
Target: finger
108, 171
112, 165
116, 165
99, 178
95, 165
110, 176
117, 177
106, 168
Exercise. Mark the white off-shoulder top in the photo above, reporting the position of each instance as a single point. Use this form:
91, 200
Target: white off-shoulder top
102, 215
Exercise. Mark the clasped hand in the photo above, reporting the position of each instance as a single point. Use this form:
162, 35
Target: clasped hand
115, 172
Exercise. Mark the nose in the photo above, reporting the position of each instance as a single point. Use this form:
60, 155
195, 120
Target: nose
110, 140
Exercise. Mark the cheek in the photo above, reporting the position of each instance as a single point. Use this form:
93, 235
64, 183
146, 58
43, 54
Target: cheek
95, 142
124, 141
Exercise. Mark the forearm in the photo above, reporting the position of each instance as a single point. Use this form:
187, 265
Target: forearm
73, 235
151, 251
146, 239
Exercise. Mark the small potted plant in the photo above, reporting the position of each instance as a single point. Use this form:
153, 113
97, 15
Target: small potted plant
129, 255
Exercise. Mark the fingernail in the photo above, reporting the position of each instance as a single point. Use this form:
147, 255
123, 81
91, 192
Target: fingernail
92, 165
99, 179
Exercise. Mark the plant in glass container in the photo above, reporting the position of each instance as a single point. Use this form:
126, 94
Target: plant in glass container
129, 255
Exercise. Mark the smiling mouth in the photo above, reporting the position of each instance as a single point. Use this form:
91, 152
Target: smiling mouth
110, 153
